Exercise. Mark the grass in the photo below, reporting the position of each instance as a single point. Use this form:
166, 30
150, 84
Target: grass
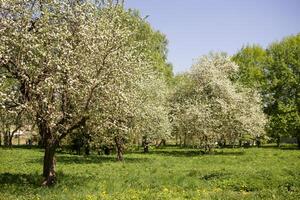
170, 173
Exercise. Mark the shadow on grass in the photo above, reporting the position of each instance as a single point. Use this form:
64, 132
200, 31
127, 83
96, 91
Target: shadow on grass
92, 159
193, 153
289, 148
96, 159
282, 147
20, 179
23, 146
34, 180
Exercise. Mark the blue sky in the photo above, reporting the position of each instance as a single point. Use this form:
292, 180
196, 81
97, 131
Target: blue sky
196, 27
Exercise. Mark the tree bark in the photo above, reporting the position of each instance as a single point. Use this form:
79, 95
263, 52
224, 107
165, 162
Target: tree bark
145, 144
106, 150
50, 145
278, 141
298, 141
161, 143
146, 148
185, 140
10, 137
87, 150
49, 165
5, 139
119, 148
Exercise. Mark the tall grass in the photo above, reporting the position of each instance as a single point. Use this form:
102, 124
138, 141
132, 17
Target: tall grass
170, 173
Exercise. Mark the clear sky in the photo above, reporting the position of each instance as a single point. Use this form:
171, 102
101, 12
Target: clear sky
196, 27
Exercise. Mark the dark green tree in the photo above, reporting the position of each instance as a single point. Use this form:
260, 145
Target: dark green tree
251, 61
275, 73
157, 43
282, 87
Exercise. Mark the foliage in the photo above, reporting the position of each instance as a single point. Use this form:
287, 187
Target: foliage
211, 108
155, 48
251, 60
283, 86
275, 73
74, 64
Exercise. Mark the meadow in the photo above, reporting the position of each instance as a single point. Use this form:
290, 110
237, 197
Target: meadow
167, 173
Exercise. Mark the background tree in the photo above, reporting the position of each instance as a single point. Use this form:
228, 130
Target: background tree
282, 71
156, 47
251, 60
10, 123
275, 73
147, 103
11, 113
152, 122
214, 108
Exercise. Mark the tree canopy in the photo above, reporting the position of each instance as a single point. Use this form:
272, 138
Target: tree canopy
209, 106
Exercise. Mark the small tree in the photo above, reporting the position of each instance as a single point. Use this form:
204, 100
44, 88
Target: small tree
11, 122
152, 120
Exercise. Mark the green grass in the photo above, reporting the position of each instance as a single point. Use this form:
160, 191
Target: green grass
171, 173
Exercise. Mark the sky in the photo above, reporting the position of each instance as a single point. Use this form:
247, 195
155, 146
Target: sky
196, 27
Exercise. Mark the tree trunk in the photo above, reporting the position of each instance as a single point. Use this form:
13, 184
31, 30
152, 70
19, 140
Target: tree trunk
146, 148
50, 144
278, 141
258, 142
10, 137
106, 150
87, 150
6, 139
49, 165
119, 148
145, 144
161, 143
298, 141
185, 140
180, 141
240, 143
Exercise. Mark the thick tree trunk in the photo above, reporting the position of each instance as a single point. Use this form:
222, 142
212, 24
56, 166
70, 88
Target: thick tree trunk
49, 165
119, 148
10, 140
41, 141
6, 139
50, 145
